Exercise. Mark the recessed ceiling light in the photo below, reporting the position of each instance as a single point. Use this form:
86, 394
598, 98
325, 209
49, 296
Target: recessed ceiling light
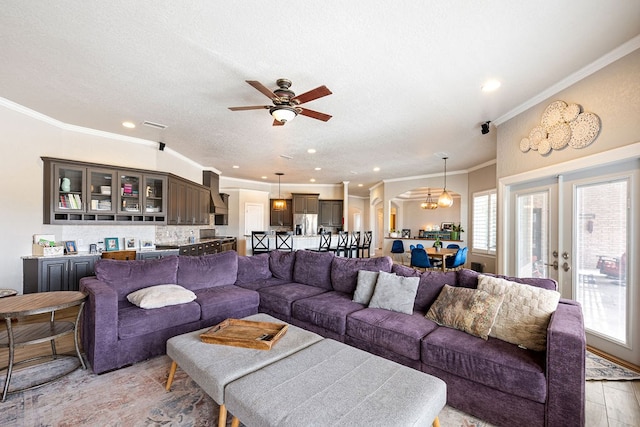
376, 169
490, 85
235, 167
129, 125
318, 169
312, 180
311, 150
359, 185
263, 177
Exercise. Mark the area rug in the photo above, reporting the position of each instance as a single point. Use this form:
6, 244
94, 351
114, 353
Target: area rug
133, 396
600, 369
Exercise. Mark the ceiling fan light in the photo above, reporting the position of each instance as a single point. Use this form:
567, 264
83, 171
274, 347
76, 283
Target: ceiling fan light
445, 200
283, 113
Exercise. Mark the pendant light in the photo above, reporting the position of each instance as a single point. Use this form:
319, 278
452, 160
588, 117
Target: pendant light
279, 204
429, 203
445, 200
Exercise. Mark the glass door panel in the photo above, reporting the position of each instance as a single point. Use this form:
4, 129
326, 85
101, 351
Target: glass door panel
130, 193
532, 222
70, 188
154, 194
102, 191
601, 230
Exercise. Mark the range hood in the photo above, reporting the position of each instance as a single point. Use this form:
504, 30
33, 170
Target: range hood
212, 180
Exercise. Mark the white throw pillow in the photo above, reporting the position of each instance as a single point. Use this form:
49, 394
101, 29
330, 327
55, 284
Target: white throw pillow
365, 287
524, 315
395, 293
160, 296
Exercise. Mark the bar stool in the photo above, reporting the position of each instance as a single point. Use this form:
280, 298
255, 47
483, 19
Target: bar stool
284, 241
325, 242
259, 242
354, 244
341, 246
366, 244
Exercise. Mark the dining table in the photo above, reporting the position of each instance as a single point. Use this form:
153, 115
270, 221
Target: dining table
441, 254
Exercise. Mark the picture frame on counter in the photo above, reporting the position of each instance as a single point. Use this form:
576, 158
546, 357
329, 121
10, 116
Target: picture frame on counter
111, 244
147, 245
70, 247
446, 226
130, 244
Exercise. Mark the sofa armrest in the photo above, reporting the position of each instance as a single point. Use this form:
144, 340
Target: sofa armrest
100, 324
566, 346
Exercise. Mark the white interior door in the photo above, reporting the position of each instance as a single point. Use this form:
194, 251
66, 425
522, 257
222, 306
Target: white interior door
253, 218
576, 228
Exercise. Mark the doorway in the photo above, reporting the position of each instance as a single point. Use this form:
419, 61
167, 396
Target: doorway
577, 228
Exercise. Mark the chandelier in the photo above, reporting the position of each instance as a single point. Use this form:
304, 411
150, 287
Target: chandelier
429, 203
279, 204
445, 200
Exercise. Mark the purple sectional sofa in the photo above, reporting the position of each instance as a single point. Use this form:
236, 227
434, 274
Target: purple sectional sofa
496, 381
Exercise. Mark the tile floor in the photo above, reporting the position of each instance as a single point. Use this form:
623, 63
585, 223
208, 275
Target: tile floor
612, 403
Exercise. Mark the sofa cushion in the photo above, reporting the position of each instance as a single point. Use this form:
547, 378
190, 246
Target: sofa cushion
397, 332
221, 302
281, 264
328, 310
494, 363
279, 298
160, 296
344, 271
365, 287
253, 268
469, 279
197, 272
525, 313
129, 276
394, 293
135, 322
313, 268
470, 310
262, 283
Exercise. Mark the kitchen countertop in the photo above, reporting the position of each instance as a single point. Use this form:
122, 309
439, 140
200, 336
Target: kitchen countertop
177, 244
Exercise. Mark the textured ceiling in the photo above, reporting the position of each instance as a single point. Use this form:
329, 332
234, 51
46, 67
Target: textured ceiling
405, 75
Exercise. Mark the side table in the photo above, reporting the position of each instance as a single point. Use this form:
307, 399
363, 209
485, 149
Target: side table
34, 333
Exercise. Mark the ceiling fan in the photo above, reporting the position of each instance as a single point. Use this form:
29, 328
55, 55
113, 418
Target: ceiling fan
285, 103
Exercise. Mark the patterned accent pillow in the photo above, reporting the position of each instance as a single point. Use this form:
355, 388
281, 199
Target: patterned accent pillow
468, 310
525, 313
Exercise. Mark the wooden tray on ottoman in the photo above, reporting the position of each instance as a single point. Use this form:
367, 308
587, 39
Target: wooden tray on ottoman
245, 333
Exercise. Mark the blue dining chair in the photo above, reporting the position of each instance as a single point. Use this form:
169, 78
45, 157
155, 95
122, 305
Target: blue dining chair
412, 247
454, 263
419, 259
453, 246
420, 246
398, 248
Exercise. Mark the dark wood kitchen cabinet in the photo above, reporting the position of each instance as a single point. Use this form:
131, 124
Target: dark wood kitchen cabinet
282, 218
188, 202
330, 213
47, 274
305, 203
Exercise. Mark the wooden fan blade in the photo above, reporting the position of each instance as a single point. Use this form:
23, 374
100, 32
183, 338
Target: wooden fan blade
315, 114
316, 93
262, 88
252, 107
277, 123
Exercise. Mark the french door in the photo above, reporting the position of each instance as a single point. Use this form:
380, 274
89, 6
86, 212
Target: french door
577, 228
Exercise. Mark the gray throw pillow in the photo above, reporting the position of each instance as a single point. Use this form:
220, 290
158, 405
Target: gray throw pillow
395, 293
365, 287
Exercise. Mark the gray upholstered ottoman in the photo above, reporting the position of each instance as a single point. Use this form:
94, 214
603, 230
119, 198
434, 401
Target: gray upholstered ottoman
330, 383
213, 366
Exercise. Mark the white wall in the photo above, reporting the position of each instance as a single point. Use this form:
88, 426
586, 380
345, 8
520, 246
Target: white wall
27, 136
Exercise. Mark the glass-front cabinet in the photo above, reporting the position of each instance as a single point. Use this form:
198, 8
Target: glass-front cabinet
82, 193
154, 200
102, 197
68, 189
130, 197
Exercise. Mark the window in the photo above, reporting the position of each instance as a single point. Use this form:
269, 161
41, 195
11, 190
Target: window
484, 222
